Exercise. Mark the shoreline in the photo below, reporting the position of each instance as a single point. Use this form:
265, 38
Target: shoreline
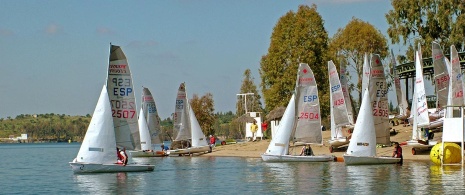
255, 149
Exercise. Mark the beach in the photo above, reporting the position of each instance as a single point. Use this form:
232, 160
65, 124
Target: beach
255, 149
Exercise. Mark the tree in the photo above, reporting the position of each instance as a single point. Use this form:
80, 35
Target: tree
253, 100
204, 108
424, 22
296, 38
350, 44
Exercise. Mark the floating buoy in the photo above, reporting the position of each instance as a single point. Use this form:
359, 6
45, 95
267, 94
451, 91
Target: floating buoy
452, 153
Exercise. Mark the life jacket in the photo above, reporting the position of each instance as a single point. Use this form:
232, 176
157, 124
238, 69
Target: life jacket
120, 156
398, 151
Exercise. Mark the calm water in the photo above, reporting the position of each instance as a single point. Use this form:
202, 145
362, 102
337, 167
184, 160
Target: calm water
44, 169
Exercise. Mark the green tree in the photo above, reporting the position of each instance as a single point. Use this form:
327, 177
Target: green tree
350, 44
204, 108
426, 21
253, 100
298, 37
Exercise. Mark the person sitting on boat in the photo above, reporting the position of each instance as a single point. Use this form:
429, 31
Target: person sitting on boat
254, 129
306, 150
397, 153
122, 157
164, 148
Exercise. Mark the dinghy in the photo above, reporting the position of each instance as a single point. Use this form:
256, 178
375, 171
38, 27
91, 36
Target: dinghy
301, 122
98, 152
149, 127
362, 146
338, 110
187, 128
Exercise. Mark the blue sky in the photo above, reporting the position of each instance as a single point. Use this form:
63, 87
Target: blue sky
54, 53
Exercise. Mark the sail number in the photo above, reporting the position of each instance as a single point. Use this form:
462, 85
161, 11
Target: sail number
458, 94
335, 88
380, 112
339, 102
123, 113
310, 98
444, 80
309, 115
179, 104
123, 86
123, 109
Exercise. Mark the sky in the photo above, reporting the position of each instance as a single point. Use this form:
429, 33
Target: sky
54, 53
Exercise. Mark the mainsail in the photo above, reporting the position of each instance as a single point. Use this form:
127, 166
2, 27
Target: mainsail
401, 99
441, 76
420, 106
457, 83
181, 116
151, 115
377, 88
345, 91
122, 100
339, 114
308, 120
365, 74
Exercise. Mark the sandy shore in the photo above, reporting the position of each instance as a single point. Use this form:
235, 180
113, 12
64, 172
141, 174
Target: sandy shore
255, 149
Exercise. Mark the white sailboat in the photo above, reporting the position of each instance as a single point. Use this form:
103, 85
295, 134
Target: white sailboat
149, 127
98, 150
338, 110
362, 146
419, 110
401, 99
186, 127
301, 122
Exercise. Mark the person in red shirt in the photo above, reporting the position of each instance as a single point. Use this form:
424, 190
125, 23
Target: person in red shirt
264, 126
397, 153
212, 143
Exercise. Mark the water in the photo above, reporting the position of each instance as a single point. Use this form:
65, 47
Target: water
44, 169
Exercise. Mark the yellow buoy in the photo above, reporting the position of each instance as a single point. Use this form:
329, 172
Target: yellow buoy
451, 154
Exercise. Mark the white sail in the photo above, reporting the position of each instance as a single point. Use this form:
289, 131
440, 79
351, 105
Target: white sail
99, 145
279, 145
122, 99
401, 99
420, 109
441, 76
198, 138
345, 91
338, 108
151, 115
378, 94
145, 140
365, 74
363, 142
181, 117
457, 83
308, 120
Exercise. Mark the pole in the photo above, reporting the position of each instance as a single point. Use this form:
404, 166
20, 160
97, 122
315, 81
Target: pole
245, 99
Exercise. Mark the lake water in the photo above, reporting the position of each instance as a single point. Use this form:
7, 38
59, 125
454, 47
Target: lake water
44, 169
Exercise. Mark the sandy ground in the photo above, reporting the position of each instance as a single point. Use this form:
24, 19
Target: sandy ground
255, 149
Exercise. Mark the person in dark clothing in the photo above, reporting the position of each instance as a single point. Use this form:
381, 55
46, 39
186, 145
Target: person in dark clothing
397, 153
306, 150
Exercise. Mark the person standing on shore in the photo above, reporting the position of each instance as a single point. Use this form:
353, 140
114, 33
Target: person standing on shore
264, 126
253, 129
397, 153
212, 143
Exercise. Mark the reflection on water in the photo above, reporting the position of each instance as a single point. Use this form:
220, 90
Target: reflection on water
22, 173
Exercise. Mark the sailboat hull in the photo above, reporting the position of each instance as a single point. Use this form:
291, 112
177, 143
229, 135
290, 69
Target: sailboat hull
292, 158
338, 142
140, 153
109, 168
191, 150
369, 160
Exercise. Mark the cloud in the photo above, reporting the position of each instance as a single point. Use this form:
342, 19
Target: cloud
142, 44
53, 29
6, 32
104, 31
